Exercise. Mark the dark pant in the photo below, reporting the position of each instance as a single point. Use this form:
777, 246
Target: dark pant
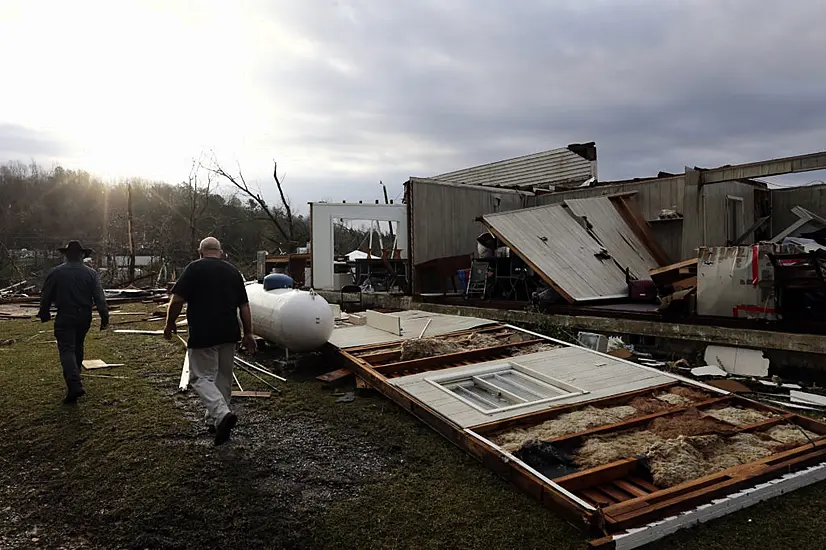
70, 331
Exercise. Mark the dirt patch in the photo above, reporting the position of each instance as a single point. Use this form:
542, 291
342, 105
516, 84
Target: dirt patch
689, 393
599, 450
738, 416
564, 424
689, 423
649, 405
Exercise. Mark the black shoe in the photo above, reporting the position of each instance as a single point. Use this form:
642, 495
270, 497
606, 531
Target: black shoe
224, 427
72, 397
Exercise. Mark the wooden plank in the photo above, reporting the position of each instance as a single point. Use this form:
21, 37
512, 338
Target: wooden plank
440, 361
684, 283
631, 488
647, 485
263, 394
599, 474
691, 262
614, 492
597, 497
334, 376
384, 322
640, 227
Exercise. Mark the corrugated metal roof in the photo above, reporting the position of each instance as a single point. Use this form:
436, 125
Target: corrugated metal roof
554, 167
615, 235
412, 322
560, 249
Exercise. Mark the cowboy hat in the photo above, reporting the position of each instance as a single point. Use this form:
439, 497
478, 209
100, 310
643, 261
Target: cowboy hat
75, 246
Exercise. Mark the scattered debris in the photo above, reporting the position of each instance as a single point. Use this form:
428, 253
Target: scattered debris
335, 376
805, 398
136, 331
730, 385
263, 394
740, 361
780, 384
708, 371
622, 353
90, 364
546, 458
591, 340
8, 342
347, 397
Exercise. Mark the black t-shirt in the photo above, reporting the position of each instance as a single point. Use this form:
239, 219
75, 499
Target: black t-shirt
213, 290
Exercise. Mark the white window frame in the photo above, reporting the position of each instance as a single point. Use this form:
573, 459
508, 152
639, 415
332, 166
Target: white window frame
441, 381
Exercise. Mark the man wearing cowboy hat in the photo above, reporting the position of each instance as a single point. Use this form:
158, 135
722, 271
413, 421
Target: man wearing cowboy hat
75, 289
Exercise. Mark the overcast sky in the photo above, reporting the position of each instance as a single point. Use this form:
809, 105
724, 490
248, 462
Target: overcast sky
347, 93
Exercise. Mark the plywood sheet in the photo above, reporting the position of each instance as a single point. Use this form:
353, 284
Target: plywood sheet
412, 323
550, 240
615, 234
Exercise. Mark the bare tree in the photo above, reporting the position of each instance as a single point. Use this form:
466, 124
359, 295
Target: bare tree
240, 183
198, 194
130, 231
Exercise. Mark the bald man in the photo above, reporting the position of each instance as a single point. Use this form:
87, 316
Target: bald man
214, 292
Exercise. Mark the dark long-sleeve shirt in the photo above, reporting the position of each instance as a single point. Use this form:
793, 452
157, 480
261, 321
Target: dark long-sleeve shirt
73, 285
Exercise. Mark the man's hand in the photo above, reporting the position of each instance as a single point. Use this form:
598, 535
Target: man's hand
169, 330
45, 317
104, 324
249, 344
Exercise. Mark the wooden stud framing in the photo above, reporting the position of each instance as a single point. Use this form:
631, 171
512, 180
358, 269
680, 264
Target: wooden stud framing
619, 490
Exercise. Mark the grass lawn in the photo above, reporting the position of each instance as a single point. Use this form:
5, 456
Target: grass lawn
131, 466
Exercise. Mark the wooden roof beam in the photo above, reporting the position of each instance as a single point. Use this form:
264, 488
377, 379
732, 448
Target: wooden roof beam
763, 169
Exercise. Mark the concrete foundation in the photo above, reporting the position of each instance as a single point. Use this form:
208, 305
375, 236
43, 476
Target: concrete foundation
807, 344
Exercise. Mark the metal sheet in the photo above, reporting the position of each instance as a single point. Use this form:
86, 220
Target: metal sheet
619, 239
554, 167
412, 322
558, 247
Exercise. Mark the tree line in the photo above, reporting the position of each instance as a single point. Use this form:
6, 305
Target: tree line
42, 208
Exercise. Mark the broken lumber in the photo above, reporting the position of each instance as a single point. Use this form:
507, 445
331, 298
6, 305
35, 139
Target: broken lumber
334, 376
91, 364
264, 394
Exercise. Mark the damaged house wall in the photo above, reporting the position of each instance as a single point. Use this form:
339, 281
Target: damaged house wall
810, 197
651, 196
443, 216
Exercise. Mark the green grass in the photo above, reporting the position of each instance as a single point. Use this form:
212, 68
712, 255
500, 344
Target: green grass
132, 467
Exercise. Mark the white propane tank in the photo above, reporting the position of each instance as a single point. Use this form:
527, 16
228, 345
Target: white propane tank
296, 320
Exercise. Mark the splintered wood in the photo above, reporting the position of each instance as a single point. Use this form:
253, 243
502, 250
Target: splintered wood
91, 364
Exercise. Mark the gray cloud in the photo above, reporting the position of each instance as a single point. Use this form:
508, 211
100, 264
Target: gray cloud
658, 85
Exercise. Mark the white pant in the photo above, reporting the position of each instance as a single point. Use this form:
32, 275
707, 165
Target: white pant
210, 375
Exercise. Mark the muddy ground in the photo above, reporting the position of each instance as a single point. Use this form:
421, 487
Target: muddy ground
132, 467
